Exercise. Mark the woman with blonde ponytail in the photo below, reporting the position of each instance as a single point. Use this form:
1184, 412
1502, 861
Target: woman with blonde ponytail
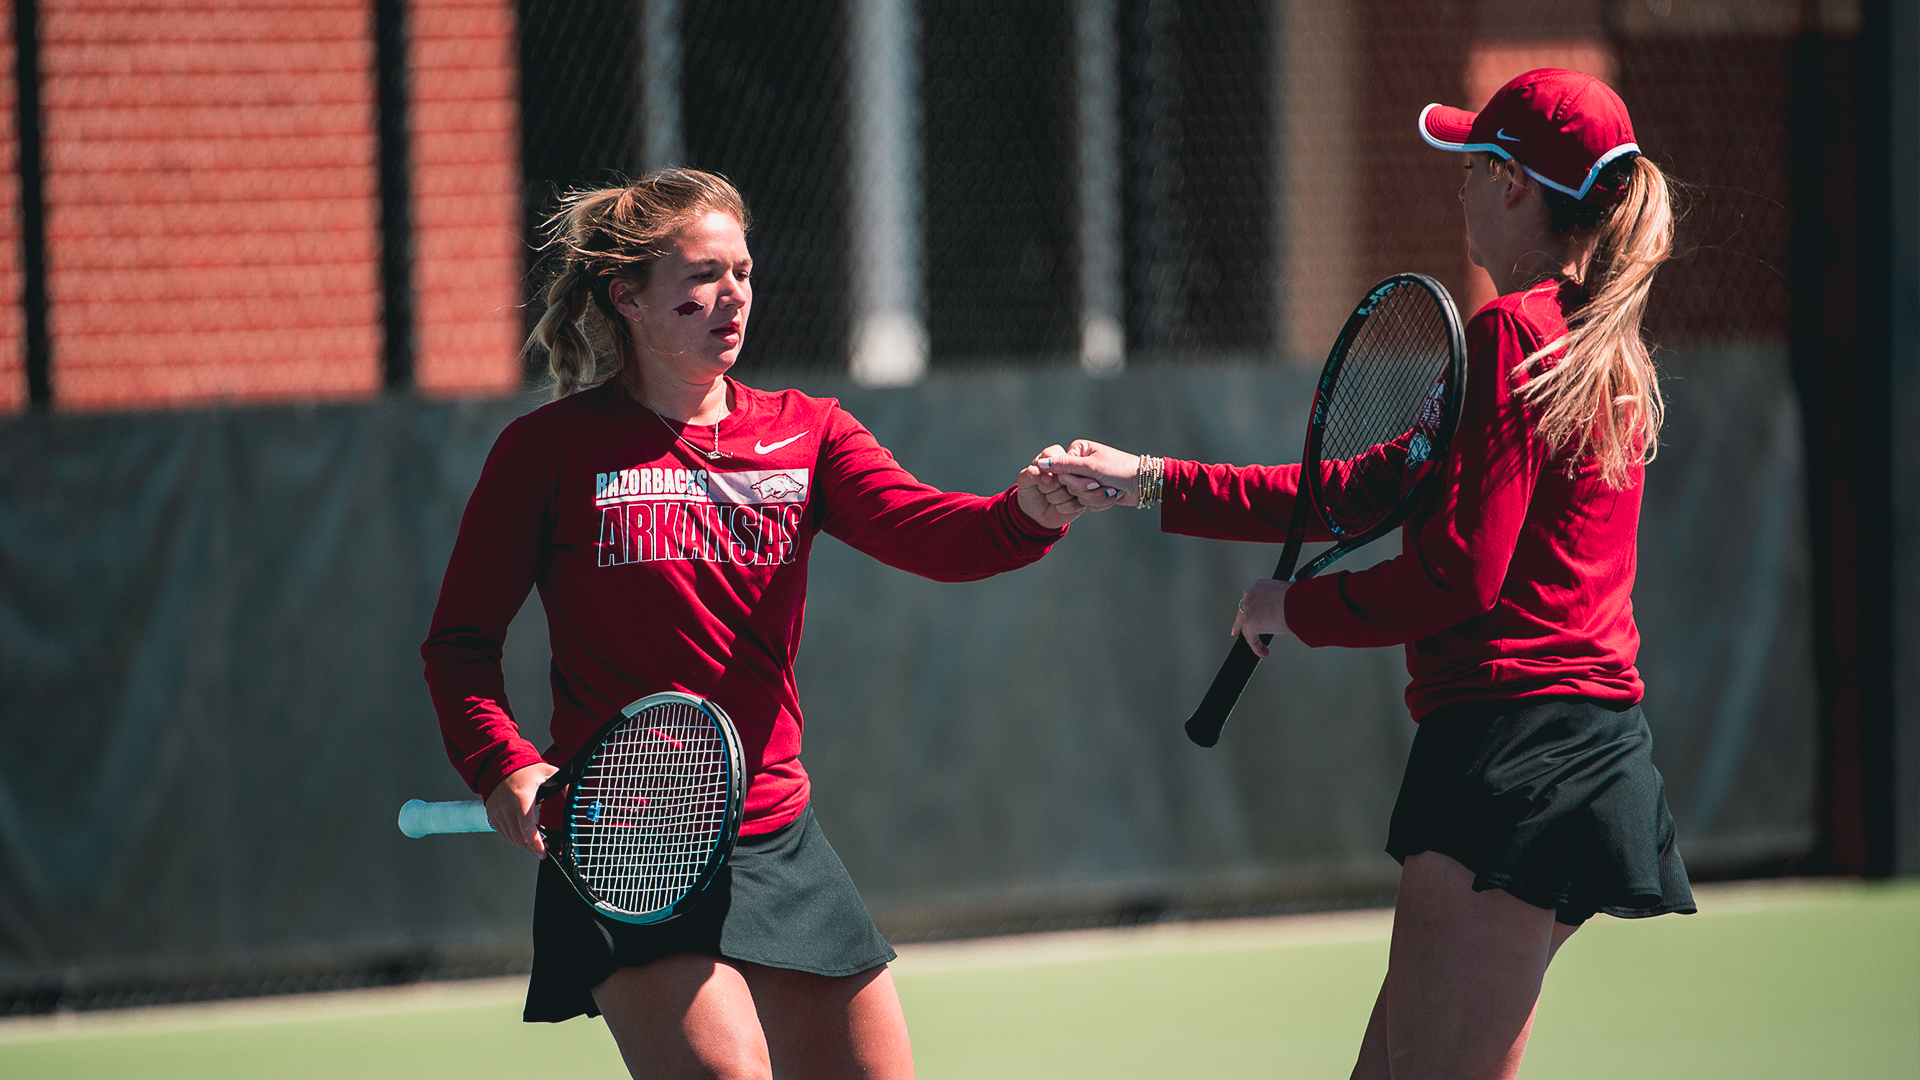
665, 511
1530, 800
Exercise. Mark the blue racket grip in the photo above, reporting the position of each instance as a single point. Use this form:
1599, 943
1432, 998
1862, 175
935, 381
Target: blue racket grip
1203, 727
419, 818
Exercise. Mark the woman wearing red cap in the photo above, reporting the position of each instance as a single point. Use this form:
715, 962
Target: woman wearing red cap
1530, 800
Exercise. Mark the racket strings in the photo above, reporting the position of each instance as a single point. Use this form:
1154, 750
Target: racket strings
650, 808
1383, 409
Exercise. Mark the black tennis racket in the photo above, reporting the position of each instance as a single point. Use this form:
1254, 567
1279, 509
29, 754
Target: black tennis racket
1383, 416
652, 809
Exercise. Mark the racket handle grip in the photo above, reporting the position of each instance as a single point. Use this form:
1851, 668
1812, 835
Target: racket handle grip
419, 818
1203, 727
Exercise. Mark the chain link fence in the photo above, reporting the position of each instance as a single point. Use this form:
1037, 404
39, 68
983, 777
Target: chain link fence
938, 184
1162, 181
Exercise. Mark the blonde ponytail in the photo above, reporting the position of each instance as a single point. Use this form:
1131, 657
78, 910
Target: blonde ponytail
599, 235
572, 362
1602, 400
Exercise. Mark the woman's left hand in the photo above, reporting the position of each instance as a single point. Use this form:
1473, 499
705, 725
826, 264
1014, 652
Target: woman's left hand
1263, 610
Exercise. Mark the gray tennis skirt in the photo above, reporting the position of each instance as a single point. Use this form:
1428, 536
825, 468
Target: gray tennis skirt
783, 900
1557, 803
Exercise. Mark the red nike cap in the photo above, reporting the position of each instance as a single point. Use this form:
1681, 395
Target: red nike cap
1561, 126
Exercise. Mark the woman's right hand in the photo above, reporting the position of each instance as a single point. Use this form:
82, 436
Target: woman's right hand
1044, 497
514, 807
1091, 470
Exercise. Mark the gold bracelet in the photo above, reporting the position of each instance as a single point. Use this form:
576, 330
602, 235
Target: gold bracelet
1147, 480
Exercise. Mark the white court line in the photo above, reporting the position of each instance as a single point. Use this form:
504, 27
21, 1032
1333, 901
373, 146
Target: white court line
1023, 950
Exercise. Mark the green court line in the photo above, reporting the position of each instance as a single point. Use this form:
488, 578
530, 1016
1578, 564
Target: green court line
1768, 982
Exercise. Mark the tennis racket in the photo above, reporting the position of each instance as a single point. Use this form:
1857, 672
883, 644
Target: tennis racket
1383, 416
652, 809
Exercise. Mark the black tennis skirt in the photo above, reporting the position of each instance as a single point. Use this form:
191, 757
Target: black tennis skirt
1557, 803
783, 900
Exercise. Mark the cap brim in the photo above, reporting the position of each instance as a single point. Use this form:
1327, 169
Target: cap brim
1445, 127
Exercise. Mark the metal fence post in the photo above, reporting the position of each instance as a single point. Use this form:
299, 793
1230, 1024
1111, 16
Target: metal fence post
888, 283
33, 222
396, 194
660, 138
1096, 50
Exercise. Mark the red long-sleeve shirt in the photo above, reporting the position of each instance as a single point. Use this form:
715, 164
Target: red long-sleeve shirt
1515, 583
663, 570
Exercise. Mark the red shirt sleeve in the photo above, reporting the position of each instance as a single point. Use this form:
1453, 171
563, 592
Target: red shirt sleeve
868, 501
1255, 502
1232, 502
1457, 561
494, 563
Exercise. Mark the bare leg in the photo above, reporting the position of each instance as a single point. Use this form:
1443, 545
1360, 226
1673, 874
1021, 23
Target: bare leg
685, 1016
1462, 980
693, 1016
821, 1028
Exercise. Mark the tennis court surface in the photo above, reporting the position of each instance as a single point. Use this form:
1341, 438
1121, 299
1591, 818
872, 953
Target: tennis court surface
1791, 979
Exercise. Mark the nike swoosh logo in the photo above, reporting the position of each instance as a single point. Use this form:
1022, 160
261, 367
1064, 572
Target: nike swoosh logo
768, 448
1502, 134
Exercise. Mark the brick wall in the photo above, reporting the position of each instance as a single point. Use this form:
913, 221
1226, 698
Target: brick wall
468, 253
212, 202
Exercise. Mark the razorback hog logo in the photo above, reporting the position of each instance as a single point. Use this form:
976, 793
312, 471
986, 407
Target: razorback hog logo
778, 486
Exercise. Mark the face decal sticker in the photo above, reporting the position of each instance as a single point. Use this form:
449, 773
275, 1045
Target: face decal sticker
691, 307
